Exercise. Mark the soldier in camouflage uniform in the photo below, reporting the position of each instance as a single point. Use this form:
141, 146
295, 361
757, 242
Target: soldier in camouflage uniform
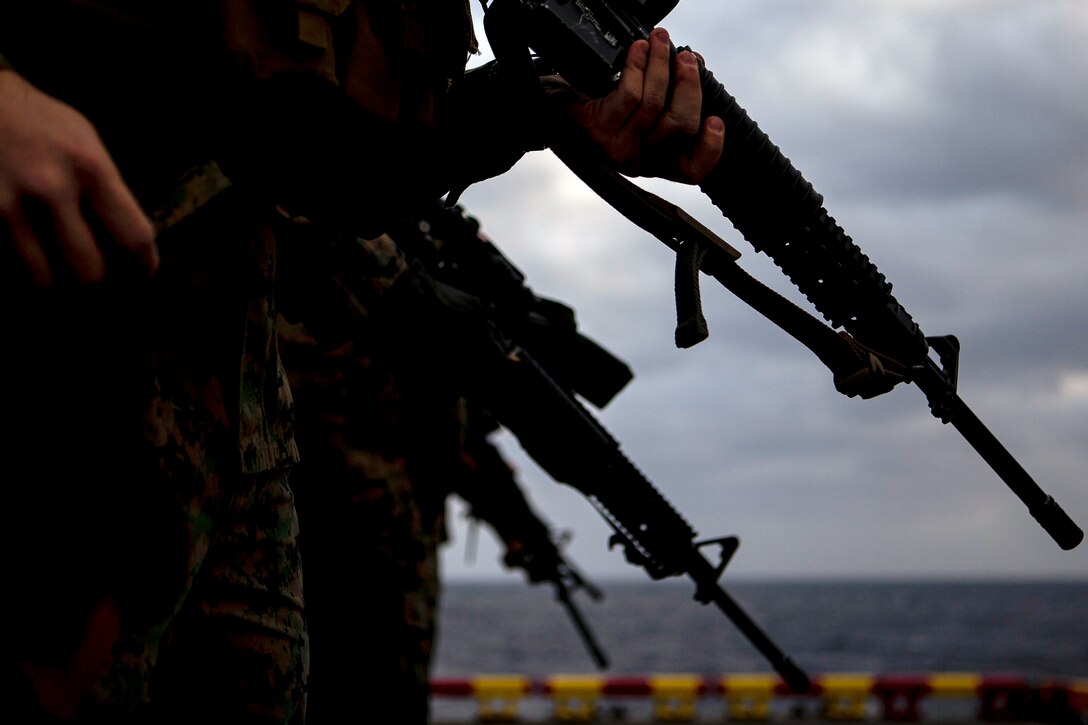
380, 457
177, 385
370, 520
371, 526
141, 139
205, 401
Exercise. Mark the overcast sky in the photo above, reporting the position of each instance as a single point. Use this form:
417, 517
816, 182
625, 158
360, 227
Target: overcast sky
949, 138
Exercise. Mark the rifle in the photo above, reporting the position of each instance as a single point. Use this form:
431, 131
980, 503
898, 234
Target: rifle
503, 378
451, 246
557, 431
774, 208
494, 496
540, 409
448, 242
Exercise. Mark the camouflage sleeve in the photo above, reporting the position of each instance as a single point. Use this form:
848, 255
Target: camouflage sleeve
331, 282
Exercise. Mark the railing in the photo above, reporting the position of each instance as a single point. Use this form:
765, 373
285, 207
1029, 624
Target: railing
948, 696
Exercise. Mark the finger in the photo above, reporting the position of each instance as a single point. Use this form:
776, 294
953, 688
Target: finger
707, 152
655, 86
679, 126
611, 113
27, 248
684, 115
77, 243
122, 218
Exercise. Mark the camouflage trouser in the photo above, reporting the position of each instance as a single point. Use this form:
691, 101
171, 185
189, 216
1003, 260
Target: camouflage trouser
235, 647
229, 643
371, 524
371, 611
205, 565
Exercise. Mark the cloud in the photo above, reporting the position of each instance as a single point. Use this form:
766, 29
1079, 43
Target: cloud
950, 140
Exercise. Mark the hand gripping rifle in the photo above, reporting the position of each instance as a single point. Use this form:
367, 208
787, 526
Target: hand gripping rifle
778, 213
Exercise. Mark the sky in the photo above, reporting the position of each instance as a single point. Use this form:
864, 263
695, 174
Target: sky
949, 138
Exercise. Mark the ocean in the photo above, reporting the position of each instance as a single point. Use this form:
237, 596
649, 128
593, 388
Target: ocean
1036, 629
1033, 629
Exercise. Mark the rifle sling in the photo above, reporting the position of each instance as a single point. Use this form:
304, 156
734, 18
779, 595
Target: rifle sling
858, 370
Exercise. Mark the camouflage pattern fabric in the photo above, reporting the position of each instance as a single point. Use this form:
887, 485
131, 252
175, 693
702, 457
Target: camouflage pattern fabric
382, 447
170, 391
375, 470
189, 394
380, 452
220, 425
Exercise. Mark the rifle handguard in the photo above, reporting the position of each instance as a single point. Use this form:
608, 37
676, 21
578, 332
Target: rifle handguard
770, 204
779, 213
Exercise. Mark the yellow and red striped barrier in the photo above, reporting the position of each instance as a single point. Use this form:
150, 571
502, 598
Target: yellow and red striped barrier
750, 697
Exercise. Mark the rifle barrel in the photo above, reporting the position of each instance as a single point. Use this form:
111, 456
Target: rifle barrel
564, 438
779, 213
708, 590
594, 649
951, 408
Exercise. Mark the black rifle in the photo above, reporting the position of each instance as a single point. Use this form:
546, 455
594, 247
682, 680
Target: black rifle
557, 431
325, 285
773, 207
451, 246
538, 406
503, 378
494, 496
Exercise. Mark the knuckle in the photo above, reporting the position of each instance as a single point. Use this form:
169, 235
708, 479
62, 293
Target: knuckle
89, 160
627, 97
46, 182
680, 124
653, 101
